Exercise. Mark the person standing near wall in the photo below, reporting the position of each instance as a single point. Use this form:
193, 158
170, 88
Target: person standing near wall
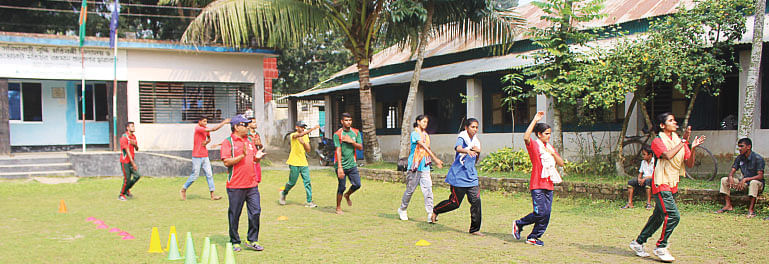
128, 145
201, 138
672, 153
463, 177
346, 140
420, 158
239, 155
544, 174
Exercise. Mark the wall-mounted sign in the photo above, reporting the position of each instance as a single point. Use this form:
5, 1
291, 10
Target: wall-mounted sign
57, 92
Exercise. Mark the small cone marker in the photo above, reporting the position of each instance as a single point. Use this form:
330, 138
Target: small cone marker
422, 243
168, 243
114, 230
62, 207
124, 233
189, 251
214, 258
155, 242
229, 256
206, 251
102, 226
173, 253
128, 237
282, 218
89, 219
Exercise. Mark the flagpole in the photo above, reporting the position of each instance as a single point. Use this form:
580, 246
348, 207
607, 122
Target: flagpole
114, 94
82, 89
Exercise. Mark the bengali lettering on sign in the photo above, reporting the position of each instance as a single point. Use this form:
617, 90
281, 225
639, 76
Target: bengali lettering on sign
24, 60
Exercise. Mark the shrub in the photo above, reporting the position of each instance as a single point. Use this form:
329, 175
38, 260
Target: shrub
599, 165
506, 160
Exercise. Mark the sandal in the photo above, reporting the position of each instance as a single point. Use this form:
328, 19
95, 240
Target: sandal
627, 206
649, 206
721, 211
751, 215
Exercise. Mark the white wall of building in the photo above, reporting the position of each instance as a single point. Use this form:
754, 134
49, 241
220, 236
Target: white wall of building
175, 66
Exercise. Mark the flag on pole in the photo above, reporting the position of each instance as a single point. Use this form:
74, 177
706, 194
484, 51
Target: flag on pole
83, 16
113, 24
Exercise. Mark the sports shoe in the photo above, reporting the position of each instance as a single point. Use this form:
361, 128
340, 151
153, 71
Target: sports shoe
430, 218
403, 214
638, 249
254, 246
282, 200
516, 230
663, 254
535, 242
122, 198
310, 205
236, 248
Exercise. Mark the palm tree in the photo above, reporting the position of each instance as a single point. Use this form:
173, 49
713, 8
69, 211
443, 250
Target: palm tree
451, 18
284, 23
748, 107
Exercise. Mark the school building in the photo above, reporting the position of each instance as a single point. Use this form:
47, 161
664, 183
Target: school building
162, 86
461, 79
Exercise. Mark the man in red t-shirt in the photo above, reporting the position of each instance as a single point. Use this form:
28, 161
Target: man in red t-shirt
239, 154
131, 175
201, 138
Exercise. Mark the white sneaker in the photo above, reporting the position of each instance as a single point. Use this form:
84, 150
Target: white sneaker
638, 249
282, 200
403, 214
310, 205
664, 255
430, 218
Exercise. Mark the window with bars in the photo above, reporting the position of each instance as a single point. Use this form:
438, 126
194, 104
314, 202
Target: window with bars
186, 102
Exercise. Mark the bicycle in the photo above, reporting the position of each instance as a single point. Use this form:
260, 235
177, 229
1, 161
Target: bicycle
705, 164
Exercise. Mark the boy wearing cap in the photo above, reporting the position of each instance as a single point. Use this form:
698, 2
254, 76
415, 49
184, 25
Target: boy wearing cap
201, 138
297, 162
239, 155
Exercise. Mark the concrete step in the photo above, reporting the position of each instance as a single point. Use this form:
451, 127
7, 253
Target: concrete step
32, 160
23, 175
36, 167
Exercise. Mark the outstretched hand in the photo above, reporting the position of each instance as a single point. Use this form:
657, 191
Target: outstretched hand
539, 116
698, 141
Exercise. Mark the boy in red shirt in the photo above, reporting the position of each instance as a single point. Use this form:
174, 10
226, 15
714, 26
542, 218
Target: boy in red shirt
131, 175
201, 138
239, 154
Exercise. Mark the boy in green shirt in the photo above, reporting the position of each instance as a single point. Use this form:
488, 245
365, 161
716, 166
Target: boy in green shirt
347, 140
297, 163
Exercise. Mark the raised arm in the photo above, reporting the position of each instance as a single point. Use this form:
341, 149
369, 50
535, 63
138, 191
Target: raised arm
218, 126
527, 134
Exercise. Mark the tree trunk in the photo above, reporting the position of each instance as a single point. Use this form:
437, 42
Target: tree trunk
408, 110
647, 119
512, 130
370, 142
618, 167
689, 109
557, 131
748, 106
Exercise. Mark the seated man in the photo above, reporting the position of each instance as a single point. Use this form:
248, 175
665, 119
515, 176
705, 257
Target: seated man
751, 165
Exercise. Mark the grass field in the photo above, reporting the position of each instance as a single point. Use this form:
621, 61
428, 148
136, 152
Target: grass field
580, 230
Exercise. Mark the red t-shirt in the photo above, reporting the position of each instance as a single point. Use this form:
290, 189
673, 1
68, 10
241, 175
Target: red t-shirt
126, 144
536, 181
658, 147
243, 174
198, 149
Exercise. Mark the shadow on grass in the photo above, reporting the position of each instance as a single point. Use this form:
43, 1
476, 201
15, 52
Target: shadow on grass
612, 250
222, 240
507, 237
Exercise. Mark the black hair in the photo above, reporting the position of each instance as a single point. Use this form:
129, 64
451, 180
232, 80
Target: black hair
647, 148
468, 122
128, 124
419, 118
745, 141
540, 128
661, 118
345, 114
202, 117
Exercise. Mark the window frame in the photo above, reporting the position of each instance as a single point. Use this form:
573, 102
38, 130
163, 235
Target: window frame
21, 104
93, 102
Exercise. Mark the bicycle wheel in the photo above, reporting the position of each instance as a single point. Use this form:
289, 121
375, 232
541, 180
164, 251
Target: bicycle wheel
631, 152
705, 165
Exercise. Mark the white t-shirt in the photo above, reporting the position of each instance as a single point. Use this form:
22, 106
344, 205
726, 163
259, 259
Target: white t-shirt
647, 168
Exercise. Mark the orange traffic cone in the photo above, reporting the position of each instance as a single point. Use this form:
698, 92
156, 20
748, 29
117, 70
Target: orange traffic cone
62, 207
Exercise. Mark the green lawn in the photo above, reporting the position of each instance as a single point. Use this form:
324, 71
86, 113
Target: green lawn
580, 230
